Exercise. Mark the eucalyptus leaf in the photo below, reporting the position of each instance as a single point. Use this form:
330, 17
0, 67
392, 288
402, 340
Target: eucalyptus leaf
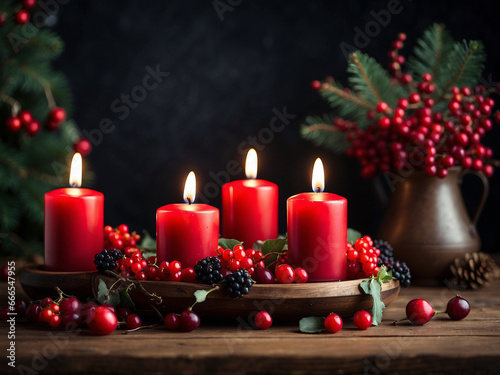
201, 295
104, 295
373, 287
228, 243
312, 324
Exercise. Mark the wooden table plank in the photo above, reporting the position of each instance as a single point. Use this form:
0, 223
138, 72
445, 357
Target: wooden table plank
441, 346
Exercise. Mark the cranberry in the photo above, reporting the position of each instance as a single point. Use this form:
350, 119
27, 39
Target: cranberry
263, 320
188, 321
362, 319
333, 323
102, 321
458, 308
419, 311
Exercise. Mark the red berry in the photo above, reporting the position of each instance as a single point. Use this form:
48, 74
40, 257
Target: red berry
406, 78
458, 308
384, 122
188, 275
33, 128
29, 3
123, 313
102, 321
175, 266
427, 77
301, 275
333, 323
140, 276
46, 302
25, 116
45, 315
32, 312
382, 107
188, 321
442, 172
263, 320
57, 115
414, 98
83, 146
3, 18
55, 308
21, 17
88, 308
54, 321
262, 275
362, 319
397, 44
403, 103
419, 311
72, 318
316, 85
448, 161
488, 170
13, 124
285, 274
172, 322
133, 321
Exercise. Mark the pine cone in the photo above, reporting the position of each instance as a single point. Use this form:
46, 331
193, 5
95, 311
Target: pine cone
474, 270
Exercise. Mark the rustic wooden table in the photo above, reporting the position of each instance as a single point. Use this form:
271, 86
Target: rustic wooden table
440, 347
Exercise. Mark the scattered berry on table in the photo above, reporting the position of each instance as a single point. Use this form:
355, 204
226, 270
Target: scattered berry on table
419, 311
362, 319
263, 320
188, 321
458, 308
333, 323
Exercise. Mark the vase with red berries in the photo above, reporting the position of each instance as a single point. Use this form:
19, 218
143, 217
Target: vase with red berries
420, 125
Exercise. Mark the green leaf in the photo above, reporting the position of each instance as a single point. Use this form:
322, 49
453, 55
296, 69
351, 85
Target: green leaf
257, 246
273, 246
125, 300
228, 243
104, 295
201, 295
148, 242
353, 235
312, 324
373, 287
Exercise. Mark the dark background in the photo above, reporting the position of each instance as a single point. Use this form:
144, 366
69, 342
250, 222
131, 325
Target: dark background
225, 78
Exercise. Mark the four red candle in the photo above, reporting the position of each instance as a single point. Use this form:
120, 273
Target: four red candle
317, 224
186, 232
74, 222
317, 231
250, 207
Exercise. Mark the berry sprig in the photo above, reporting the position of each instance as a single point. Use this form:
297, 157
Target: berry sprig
362, 258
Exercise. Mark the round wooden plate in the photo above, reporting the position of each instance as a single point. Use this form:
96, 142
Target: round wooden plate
286, 302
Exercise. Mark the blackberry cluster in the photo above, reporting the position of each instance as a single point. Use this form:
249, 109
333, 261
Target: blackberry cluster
107, 260
386, 251
238, 283
208, 270
399, 269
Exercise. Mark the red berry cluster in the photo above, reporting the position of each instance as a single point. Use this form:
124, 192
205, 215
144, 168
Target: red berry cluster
416, 133
362, 259
32, 126
239, 258
119, 238
187, 321
20, 17
67, 313
252, 261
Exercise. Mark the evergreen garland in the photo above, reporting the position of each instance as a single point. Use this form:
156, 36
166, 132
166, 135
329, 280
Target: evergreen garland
30, 165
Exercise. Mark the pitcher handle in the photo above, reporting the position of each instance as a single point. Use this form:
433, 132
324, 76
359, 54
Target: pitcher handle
486, 188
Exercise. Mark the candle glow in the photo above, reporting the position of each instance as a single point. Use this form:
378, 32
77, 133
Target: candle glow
190, 188
75, 174
318, 176
251, 164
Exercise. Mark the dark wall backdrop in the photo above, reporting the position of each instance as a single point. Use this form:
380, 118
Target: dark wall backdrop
225, 79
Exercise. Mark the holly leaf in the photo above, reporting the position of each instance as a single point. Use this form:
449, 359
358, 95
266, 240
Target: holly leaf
228, 243
353, 235
312, 324
104, 295
373, 287
201, 295
126, 300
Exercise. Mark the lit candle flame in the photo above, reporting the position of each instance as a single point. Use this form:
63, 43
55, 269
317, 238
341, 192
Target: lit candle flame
190, 188
251, 164
75, 174
318, 176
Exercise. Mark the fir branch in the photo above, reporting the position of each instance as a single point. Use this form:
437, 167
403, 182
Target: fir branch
355, 60
321, 133
439, 49
44, 83
347, 96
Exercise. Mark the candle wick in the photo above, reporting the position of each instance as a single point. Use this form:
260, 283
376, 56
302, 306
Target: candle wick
189, 200
73, 185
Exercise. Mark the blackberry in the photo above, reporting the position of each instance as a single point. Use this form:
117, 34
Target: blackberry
107, 260
208, 270
386, 252
401, 272
399, 269
238, 283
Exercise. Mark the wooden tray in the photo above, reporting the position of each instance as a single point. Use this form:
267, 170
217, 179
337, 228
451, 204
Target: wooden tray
286, 302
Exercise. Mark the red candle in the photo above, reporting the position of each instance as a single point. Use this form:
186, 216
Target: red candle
187, 232
74, 222
250, 207
317, 231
